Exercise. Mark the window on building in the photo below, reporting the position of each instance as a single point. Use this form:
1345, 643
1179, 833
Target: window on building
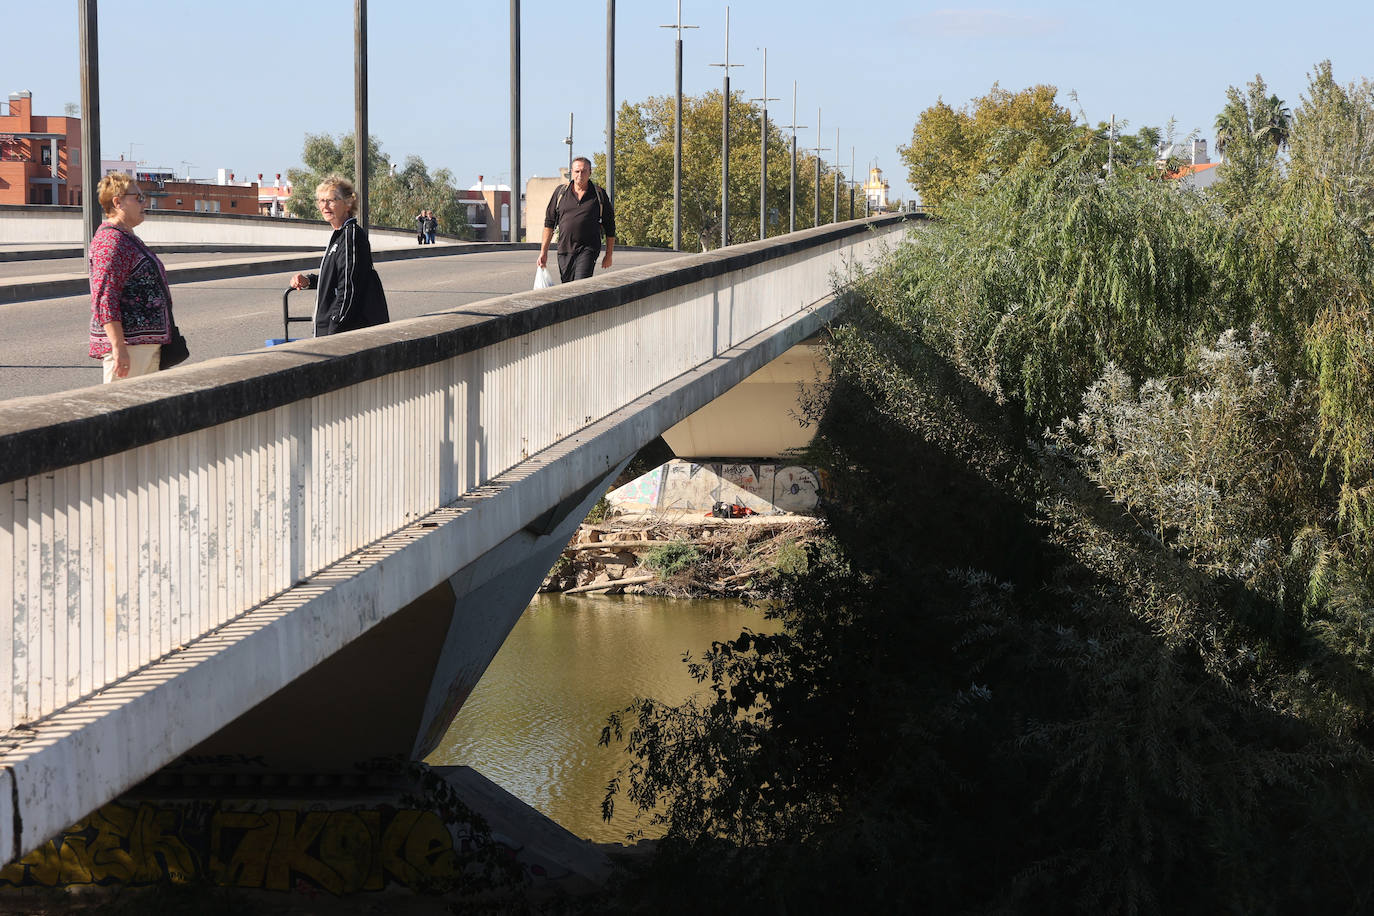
45, 155
74, 156
233, 204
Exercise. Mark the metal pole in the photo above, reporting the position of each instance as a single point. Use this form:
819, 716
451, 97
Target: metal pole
677, 151
835, 207
816, 221
853, 182
569, 141
763, 152
792, 207
90, 120
725, 140
610, 99
360, 108
514, 122
818, 150
1111, 141
677, 130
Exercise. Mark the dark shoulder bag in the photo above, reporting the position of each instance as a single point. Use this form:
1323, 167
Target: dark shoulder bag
175, 351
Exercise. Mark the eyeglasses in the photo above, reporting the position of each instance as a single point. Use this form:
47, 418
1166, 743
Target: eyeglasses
321, 201
138, 195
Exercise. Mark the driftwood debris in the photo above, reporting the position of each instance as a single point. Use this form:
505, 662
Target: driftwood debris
616, 545
613, 583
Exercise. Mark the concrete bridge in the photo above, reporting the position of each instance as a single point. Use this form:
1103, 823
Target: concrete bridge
200, 563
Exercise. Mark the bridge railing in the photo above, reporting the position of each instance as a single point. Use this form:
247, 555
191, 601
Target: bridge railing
137, 517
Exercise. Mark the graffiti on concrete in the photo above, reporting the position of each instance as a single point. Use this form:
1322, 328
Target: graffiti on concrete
686, 486
642, 491
338, 851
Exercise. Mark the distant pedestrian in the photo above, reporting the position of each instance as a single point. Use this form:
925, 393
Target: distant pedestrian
581, 212
350, 292
420, 227
131, 305
431, 226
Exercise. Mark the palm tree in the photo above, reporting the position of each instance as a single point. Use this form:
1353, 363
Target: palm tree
1273, 122
1233, 122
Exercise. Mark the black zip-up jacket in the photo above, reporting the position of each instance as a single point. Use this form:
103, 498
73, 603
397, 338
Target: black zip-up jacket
350, 293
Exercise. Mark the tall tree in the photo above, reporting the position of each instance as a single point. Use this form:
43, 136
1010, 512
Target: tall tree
953, 151
1251, 129
1274, 122
644, 173
393, 199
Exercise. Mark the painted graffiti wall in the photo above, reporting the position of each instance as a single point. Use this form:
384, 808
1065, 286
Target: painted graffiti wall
685, 486
337, 851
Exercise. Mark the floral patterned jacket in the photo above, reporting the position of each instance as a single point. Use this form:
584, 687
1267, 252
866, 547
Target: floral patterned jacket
128, 285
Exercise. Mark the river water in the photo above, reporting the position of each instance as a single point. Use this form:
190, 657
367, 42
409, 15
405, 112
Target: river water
532, 723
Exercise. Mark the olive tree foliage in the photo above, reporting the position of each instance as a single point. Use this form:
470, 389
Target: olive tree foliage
644, 174
394, 199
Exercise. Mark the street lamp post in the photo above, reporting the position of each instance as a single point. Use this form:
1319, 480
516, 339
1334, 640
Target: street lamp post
360, 108
677, 131
725, 139
818, 150
853, 182
90, 121
514, 121
792, 205
763, 152
610, 99
569, 140
835, 206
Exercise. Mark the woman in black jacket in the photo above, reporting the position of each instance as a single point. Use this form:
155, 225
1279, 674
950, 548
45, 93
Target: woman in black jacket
350, 292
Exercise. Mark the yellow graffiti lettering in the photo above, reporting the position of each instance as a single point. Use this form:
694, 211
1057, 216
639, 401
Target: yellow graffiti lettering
156, 850
429, 847
346, 845
289, 853
393, 842
110, 859
248, 865
43, 866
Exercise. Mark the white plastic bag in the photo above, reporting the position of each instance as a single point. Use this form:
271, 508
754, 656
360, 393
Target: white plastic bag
542, 278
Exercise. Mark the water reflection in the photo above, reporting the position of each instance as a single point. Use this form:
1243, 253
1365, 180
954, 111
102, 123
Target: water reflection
531, 724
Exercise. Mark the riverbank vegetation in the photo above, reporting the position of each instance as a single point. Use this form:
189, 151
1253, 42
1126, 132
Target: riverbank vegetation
1092, 630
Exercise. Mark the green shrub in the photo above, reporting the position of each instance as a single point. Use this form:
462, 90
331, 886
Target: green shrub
790, 560
672, 558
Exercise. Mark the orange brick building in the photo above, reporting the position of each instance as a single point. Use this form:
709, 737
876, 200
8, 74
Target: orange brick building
40, 155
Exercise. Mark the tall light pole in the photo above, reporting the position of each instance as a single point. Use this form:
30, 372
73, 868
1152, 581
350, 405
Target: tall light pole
610, 99
569, 140
360, 108
792, 207
853, 182
677, 132
763, 152
91, 214
818, 150
835, 207
514, 121
725, 139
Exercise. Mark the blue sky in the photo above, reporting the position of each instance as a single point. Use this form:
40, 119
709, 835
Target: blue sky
238, 85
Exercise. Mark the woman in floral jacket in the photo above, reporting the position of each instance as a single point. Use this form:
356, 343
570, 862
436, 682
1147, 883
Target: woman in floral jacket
130, 301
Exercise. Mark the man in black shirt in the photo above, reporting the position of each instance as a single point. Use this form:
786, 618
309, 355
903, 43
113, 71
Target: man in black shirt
581, 211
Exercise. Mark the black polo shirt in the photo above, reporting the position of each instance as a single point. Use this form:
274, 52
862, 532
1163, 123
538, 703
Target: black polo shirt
580, 222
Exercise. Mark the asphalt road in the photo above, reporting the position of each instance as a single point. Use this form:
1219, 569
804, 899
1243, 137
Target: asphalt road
43, 344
